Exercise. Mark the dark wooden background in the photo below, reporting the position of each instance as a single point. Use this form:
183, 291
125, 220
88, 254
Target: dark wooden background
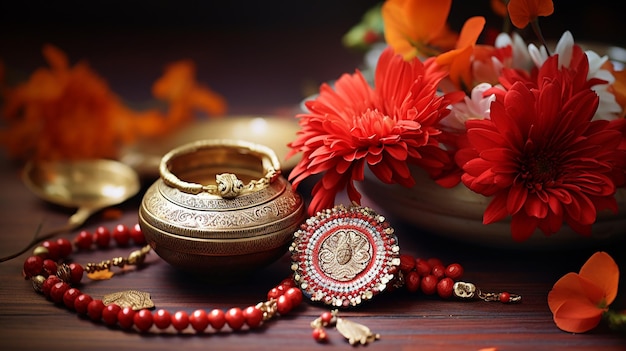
264, 57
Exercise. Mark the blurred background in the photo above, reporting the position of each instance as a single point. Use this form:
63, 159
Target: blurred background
257, 53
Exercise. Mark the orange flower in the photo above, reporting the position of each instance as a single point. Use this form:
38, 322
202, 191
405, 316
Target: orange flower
178, 87
459, 61
69, 111
578, 300
499, 7
618, 88
523, 12
418, 27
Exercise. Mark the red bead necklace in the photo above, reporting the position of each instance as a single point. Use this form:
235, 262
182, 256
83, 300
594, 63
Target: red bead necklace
56, 280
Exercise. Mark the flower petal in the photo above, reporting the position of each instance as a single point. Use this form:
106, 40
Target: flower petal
602, 270
576, 316
522, 12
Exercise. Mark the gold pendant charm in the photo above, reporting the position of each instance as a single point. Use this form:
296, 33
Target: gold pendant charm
468, 291
355, 332
137, 300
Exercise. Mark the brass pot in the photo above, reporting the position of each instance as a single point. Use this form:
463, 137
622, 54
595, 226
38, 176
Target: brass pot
220, 207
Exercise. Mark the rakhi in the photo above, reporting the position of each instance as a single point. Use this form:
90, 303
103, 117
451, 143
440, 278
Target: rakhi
347, 255
341, 257
344, 256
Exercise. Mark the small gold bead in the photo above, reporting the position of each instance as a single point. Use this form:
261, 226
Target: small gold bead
136, 257
64, 272
118, 261
41, 251
37, 282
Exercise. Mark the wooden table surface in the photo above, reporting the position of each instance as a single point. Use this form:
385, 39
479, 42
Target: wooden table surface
270, 78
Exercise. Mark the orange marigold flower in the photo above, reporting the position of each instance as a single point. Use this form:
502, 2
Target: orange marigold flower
578, 300
69, 112
178, 86
418, 27
523, 12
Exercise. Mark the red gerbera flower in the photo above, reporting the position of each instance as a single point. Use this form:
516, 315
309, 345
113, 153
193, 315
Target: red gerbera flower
542, 158
386, 128
576, 73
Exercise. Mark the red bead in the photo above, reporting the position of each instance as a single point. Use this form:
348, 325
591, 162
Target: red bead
295, 295
283, 304
433, 261
505, 297
54, 251
125, 317
48, 284
319, 334
109, 314
422, 267
70, 296
407, 263
275, 292
412, 281
180, 320
326, 318
234, 318
454, 271
429, 284
94, 310
121, 235
438, 271
102, 237
49, 267
33, 266
137, 235
83, 240
162, 319
288, 283
65, 247
81, 303
76, 273
143, 320
199, 320
253, 316
57, 291
445, 287
217, 319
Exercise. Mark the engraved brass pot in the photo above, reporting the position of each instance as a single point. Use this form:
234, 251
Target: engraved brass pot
220, 207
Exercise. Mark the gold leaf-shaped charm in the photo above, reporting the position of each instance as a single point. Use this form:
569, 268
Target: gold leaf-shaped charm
355, 332
100, 275
137, 300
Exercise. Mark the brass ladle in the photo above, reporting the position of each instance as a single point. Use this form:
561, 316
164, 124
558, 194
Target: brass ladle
88, 185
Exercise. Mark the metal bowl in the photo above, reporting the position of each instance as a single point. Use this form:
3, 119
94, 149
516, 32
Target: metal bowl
220, 207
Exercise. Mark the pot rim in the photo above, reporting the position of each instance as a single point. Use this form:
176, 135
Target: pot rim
228, 185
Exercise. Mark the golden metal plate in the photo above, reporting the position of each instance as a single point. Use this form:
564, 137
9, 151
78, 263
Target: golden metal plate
271, 131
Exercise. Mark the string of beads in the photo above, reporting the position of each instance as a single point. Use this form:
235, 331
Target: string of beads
58, 281
417, 275
431, 276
